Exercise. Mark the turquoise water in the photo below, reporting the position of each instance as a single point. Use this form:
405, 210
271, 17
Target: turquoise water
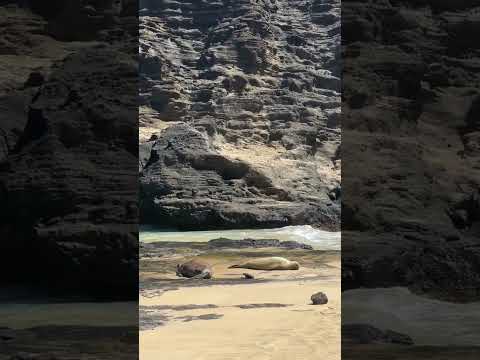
319, 239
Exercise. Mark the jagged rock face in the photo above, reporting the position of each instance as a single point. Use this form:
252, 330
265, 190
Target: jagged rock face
68, 180
249, 94
410, 146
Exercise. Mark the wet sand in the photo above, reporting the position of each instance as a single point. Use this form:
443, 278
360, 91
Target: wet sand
228, 317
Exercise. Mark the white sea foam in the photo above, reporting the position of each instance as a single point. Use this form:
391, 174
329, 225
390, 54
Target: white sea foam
319, 239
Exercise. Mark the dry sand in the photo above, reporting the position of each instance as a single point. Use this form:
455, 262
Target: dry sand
290, 328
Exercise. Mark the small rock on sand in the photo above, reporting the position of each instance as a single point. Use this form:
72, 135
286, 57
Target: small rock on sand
319, 298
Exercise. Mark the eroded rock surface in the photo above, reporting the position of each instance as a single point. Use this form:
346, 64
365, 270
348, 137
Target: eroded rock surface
68, 155
410, 150
240, 104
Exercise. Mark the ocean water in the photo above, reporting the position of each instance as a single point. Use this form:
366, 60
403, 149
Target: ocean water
319, 239
426, 321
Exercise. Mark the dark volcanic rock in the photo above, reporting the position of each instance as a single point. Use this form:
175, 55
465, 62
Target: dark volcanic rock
243, 100
256, 243
295, 245
319, 298
186, 183
82, 220
411, 179
68, 181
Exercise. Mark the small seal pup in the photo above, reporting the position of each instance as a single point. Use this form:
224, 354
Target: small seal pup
268, 263
194, 269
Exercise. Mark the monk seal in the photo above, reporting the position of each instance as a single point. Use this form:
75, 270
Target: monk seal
194, 269
268, 263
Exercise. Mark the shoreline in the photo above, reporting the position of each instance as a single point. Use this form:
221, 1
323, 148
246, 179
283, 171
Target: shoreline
215, 316
160, 228
305, 234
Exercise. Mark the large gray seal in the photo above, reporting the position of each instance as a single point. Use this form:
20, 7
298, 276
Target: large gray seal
194, 269
269, 263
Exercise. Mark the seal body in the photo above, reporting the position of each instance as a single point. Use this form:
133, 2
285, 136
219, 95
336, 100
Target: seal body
269, 263
194, 269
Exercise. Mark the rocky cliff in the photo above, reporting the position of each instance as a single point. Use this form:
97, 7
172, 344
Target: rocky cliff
411, 210
239, 117
68, 150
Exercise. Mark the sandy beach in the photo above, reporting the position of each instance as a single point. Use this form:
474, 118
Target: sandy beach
228, 317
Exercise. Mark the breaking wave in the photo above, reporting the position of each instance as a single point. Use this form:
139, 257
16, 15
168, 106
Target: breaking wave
319, 239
